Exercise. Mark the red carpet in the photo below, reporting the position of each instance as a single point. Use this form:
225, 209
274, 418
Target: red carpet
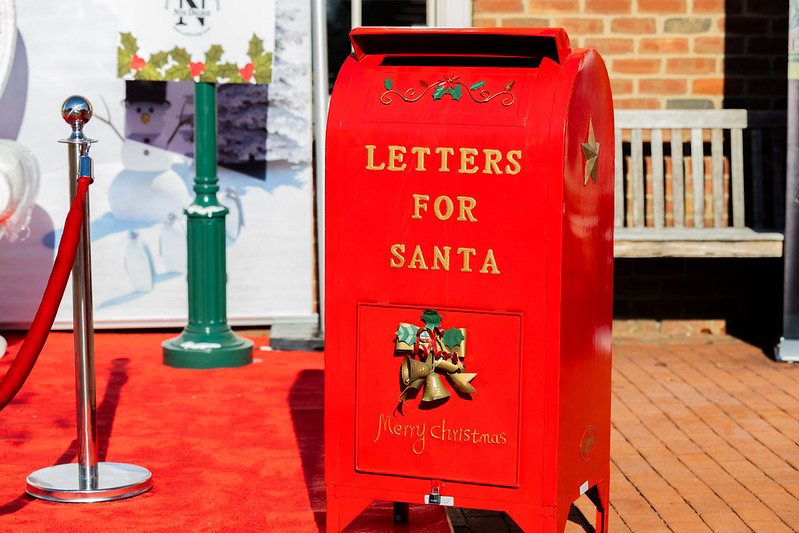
236, 449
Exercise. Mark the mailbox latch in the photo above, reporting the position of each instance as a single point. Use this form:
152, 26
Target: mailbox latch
435, 497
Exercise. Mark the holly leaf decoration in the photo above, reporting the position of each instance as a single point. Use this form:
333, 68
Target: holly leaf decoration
180, 55
476, 85
263, 68
440, 91
179, 71
453, 337
214, 54
149, 73
214, 71
127, 47
256, 48
431, 318
128, 43
158, 60
456, 92
407, 333
388, 84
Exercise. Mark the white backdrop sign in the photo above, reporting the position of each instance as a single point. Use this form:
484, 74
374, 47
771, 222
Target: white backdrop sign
144, 169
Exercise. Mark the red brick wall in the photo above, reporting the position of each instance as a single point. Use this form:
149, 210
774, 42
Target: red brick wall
669, 53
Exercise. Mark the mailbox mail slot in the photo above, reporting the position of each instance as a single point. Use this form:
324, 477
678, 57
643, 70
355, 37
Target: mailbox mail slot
469, 238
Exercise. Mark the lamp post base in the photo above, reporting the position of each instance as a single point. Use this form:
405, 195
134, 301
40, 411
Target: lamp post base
207, 350
115, 481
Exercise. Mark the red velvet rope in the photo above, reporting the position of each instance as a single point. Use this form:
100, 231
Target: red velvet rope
43, 321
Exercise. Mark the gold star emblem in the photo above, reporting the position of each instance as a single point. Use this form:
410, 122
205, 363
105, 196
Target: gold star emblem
591, 154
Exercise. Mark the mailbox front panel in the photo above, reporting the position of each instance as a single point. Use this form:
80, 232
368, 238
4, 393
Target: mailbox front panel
463, 436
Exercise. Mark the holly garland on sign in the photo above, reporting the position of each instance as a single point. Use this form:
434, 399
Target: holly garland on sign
430, 352
177, 64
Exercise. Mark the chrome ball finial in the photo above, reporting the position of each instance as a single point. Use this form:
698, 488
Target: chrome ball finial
76, 111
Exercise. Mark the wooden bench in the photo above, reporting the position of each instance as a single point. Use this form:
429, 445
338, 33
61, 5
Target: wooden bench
682, 186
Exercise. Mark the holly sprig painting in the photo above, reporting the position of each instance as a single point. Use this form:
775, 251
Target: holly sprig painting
178, 64
448, 85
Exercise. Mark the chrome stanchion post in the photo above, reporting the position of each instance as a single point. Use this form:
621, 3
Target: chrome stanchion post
87, 480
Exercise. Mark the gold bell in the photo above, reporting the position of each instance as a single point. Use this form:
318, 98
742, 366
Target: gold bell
434, 388
412, 371
461, 382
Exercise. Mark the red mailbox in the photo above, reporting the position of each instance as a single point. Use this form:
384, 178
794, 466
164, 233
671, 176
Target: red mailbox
469, 237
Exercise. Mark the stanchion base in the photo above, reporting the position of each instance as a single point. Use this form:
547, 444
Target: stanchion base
115, 481
207, 350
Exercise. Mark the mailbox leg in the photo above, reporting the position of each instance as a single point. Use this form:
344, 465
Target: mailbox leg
599, 494
401, 510
341, 510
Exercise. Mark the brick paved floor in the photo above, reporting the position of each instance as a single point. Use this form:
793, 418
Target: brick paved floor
705, 437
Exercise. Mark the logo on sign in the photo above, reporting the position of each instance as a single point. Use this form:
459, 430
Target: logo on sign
192, 17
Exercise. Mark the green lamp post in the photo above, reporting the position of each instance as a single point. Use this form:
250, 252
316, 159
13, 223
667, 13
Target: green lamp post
207, 341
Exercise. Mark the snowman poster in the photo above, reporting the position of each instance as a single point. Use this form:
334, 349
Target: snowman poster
143, 160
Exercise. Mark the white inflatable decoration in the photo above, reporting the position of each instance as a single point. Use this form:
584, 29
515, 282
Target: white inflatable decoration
8, 39
19, 183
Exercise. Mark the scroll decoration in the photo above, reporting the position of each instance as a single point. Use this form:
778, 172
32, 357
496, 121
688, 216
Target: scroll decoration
452, 86
430, 352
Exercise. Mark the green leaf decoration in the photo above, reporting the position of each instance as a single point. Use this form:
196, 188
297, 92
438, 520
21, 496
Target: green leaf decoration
453, 337
178, 72
214, 54
256, 48
148, 73
159, 59
227, 70
128, 43
476, 85
440, 91
263, 68
123, 62
456, 92
388, 84
431, 318
407, 334
180, 55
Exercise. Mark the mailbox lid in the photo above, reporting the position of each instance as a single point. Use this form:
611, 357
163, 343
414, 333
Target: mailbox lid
473, 42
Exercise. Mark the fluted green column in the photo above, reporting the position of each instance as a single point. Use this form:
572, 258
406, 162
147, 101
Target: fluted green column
207, 341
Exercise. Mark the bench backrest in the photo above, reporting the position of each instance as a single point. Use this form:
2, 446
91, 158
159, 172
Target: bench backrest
634, 126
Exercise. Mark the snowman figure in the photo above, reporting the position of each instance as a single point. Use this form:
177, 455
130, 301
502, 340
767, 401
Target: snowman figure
149, 190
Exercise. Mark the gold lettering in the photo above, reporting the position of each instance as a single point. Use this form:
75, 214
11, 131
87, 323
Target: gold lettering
382, 424
492, 158
467, 161
439, 258
370, 158
431, 432
502, 438
420, 152
489, 262
466, 252
516, 166
417, 258
418, 205
421, 434
397, 250
394, 157
449, 207
443, 152
466, 204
